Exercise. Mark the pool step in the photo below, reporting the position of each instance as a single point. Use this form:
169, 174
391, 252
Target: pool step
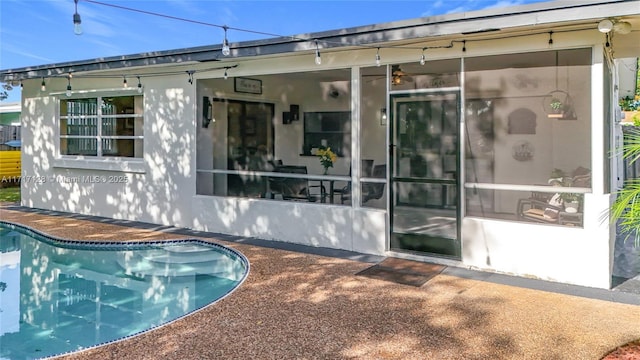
183, 262
180, 257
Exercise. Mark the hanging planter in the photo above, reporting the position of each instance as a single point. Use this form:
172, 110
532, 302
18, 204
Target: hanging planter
559, 105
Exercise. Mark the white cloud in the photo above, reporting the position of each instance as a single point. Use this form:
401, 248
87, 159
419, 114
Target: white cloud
13, 49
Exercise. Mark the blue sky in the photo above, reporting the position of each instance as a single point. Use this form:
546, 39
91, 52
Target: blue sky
37, 32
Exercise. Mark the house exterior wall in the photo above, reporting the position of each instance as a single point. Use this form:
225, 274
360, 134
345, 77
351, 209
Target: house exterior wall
149, 189
161, 188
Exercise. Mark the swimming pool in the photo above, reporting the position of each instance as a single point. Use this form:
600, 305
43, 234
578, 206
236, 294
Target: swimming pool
59, 296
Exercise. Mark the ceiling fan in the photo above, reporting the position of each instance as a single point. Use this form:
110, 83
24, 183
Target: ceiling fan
398, 77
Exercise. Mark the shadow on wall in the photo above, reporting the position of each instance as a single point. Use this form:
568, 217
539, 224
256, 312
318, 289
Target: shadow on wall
156, 196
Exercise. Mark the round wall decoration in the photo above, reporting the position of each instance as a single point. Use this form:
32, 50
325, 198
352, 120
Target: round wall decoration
522, 151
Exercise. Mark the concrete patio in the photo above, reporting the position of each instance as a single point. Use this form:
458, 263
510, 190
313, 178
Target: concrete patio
310, 304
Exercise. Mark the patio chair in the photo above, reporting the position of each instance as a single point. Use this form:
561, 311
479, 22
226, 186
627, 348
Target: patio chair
294, 188
372, 191
547, 208
366, 165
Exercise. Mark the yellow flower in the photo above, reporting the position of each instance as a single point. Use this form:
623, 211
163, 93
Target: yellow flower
327, 157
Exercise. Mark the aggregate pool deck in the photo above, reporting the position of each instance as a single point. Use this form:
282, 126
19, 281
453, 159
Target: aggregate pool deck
302, 306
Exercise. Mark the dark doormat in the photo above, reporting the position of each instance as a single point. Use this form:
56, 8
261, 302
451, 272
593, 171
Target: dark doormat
402, 271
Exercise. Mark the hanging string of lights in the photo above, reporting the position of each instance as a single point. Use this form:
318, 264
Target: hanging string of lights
226, 48
318, 43
70, 75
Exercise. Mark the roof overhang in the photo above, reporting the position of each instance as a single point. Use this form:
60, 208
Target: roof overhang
585, 14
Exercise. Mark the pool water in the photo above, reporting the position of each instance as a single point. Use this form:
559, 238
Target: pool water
61, 296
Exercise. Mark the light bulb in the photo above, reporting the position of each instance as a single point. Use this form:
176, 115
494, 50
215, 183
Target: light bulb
139, 86
605, 26
69, 85
318, 58
423, 60
226, 76
225, 48
43, 86
124, 83
77, 24
378, 58
225, 43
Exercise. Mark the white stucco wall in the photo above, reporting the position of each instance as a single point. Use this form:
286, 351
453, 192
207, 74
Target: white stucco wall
155, 189
558, 253
329, 226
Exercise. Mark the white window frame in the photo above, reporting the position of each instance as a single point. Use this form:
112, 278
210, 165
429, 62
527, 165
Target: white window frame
99, 161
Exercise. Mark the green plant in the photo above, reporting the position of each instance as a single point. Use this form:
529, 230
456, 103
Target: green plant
636, 120
555, 104
10, 194
630, 104
570, 197
626, 208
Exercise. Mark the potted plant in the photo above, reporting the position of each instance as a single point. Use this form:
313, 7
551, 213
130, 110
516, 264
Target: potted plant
554, 108
631, 108
630, 105
571, 202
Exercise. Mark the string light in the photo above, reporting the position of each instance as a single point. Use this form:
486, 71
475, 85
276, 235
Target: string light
318, 58
68, 93
124, 82
226, 49
225, 43
550, 38
77, 22
226, 76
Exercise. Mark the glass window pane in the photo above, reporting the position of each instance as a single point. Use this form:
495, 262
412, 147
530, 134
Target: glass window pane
122, 147
78, 107
83, 146
80, 117
113, 105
